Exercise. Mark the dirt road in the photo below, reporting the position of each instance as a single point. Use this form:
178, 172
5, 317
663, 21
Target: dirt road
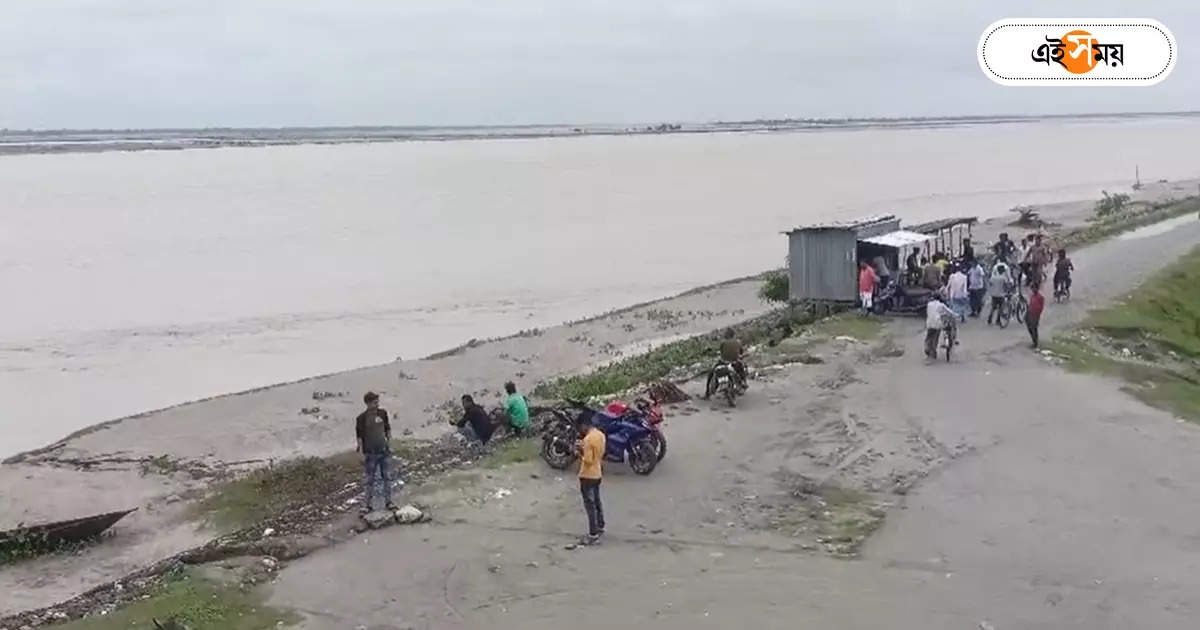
1017, 496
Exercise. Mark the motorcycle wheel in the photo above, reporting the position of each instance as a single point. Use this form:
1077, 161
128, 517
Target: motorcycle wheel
643, 456
731, 393
558, 450
879, 307
660, 445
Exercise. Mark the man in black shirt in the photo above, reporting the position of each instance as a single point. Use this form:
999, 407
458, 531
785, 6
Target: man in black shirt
478, 419
374, 434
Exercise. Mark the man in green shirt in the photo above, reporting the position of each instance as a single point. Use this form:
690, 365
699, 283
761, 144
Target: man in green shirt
517, 409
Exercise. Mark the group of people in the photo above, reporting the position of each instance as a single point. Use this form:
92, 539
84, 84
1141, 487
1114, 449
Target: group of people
373, 433
959, 288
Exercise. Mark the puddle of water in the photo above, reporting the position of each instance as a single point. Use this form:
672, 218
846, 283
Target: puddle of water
1161, 227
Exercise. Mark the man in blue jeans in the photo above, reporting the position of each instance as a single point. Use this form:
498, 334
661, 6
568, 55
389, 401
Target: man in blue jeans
374, 434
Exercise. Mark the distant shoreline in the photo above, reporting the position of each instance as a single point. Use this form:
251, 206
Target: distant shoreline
35, 142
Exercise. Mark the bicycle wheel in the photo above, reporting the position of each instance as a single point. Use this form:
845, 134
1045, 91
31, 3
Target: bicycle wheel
1020, 309
1004, 315
951, 335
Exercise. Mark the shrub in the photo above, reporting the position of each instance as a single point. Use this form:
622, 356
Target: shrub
774, 288
1111, 204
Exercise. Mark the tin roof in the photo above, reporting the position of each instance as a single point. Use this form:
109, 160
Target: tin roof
846, 225
898, 239
942, 224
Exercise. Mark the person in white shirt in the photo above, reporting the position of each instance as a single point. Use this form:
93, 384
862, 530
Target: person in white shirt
956, 291
937, 317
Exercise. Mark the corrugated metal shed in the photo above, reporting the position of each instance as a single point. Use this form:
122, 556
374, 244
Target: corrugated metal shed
822, 259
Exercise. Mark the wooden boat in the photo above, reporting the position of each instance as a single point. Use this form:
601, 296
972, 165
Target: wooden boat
59, 532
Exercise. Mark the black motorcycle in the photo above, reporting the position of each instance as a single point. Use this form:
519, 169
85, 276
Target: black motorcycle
898, 298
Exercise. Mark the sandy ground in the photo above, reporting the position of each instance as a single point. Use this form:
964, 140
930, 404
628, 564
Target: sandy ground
1048, 500
103, 469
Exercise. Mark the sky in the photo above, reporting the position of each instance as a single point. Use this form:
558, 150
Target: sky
269, 63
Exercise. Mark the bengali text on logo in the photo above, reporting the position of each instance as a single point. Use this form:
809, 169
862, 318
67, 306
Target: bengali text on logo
1077, 52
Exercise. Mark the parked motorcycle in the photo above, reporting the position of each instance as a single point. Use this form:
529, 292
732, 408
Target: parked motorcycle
651, 410
898, 298
723, 379
628, 438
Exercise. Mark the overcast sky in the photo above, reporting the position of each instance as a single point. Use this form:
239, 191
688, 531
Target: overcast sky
189, 63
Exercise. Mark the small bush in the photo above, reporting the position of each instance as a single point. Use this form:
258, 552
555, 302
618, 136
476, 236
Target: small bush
1111, 204
775, 288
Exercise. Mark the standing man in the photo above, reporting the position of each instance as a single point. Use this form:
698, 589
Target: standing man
956, 291
976, 287
937, 317
374, 434
931, 276
591, 459
866, 286
968, 252
517, 409
1000, 285
1034, 317
912, 265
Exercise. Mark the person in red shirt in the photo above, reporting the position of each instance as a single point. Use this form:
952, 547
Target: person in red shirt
1034, 317
866, 286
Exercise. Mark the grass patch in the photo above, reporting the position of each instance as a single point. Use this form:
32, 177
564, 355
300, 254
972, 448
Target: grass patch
514, 451
268, 491
1140, 216
1151, 340
666, 361
197, 603
32, 546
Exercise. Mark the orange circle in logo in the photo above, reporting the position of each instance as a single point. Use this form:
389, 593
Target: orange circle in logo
1079, 47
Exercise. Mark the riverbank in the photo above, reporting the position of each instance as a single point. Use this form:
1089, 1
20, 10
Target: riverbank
196, 443
14, 142
942, 514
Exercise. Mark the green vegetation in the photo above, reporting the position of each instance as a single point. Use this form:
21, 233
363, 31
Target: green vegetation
195, 602
1129, 219
26, 546
269, 491
774, 289
662, 362
1151, 340
1111, 204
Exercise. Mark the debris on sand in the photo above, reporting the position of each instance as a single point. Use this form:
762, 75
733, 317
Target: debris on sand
666, 392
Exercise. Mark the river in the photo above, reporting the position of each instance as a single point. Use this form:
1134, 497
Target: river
137, 280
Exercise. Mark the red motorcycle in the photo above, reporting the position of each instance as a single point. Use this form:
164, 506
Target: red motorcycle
652, 411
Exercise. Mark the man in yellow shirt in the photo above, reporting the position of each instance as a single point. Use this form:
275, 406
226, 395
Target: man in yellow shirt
591, 460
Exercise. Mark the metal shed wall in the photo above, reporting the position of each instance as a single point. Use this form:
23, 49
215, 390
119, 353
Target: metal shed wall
821, 265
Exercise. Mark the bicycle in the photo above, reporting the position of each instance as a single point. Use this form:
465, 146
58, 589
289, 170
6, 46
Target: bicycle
1020, 307
1062, 290
1005, 314
951, 330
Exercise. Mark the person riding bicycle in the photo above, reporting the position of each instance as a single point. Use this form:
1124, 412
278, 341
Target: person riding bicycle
1000, 287
1062, 273
1004, 249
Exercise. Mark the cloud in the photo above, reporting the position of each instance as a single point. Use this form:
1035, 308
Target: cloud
147, 63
